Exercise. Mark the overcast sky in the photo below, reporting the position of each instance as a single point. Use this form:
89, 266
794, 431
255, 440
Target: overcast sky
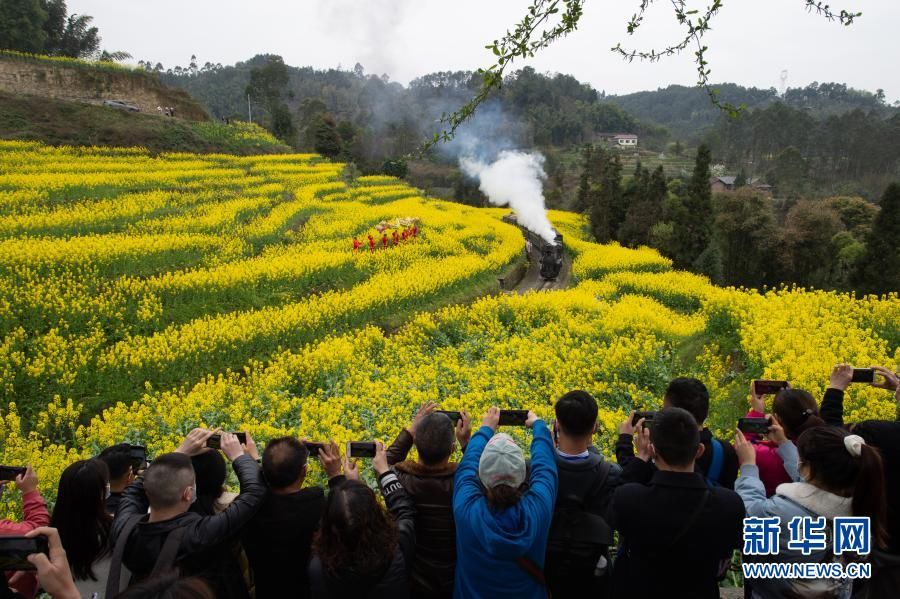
752, 43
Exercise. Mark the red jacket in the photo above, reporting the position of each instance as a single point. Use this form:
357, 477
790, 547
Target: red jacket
769, 462
36, 515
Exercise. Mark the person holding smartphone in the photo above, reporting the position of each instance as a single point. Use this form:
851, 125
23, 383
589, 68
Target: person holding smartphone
278, 540
503, 512
154, 529
363, 549
884, 435
429, 481
793, 412
35, 515
122, 472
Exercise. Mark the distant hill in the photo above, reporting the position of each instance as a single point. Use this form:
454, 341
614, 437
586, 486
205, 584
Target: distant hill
688, 113
62, 122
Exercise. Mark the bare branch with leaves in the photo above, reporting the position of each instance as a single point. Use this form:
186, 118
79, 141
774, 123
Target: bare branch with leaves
549, 20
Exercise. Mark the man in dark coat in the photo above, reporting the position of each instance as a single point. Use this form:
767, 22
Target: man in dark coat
141, 540
577, 552
676, 532
718, 463
429, 481
278, 539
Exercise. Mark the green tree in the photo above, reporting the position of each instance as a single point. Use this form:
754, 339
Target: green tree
879, 268
693, 220
807, 250
79, 39
55, 26
22, 25
605, 197
582, 199
709, 263
645, 207
327, 139
745, 230
395, 167
269, 86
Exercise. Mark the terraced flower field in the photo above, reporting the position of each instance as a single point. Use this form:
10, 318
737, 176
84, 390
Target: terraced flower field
141, 296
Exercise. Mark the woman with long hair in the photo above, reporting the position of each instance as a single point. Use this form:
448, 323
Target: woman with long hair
82, 520
361, 548
842, 476
793, 412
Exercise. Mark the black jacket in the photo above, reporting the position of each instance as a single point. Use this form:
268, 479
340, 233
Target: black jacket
639, 471
885, 435
585, 485
653, 561
394, 583
278, 541
431, 489
112, 503
204, 535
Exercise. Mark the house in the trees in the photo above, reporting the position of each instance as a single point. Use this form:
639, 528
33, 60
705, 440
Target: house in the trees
720, 184
625, 140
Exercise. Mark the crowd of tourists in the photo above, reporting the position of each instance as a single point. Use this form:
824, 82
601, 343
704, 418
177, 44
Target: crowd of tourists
665, 519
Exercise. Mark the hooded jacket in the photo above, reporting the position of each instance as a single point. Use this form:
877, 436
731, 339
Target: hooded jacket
394, 582
488, 543
793, 500
203, 532
431, 488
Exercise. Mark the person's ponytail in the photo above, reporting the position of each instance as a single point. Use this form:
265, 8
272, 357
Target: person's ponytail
869, 493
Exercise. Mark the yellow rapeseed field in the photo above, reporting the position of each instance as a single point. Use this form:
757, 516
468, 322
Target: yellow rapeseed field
141, 296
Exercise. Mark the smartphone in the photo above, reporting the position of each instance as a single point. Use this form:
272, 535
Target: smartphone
452, 414
513, 417
361, 449
768, 387
14, 550
313, 447
759, 426
863, 375
11, 472
138, 455
215, 442
647, 416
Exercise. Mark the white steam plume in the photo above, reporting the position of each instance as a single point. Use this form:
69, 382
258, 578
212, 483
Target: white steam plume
514, 179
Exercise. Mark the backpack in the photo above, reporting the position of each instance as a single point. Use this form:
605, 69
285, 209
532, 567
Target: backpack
578, 537
715, 465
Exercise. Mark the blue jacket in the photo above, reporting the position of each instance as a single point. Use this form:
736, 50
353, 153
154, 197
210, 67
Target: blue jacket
489, 543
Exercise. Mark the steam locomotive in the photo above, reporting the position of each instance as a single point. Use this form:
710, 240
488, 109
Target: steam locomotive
548, 255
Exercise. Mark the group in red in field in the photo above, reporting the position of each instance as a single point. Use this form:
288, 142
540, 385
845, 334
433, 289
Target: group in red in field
395, 239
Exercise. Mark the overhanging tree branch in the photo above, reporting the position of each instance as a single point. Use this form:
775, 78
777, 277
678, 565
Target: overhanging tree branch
549, 20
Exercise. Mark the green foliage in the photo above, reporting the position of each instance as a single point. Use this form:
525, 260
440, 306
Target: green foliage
807, 250
22, 25
746, 234
879, 268
693, 218
396, 167
327, 140
709, 263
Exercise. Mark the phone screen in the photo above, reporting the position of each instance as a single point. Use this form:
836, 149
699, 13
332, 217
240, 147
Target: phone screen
14, 550
453, 415
215, 442
759, 426
11, 472
361, 449
863, 375
313, 447
768, 387
647, 416
513, 417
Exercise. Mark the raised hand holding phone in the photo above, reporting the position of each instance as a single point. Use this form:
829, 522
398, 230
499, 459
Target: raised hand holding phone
463, 429
642, 441
841, 377
745, 451
27, 481
891, 380
491, 418
379, 462
424, 410
330, 458
757, 401
776, 432
195, 441
53, 571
